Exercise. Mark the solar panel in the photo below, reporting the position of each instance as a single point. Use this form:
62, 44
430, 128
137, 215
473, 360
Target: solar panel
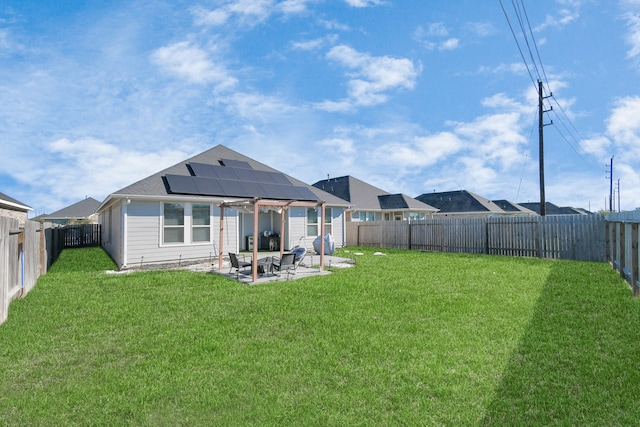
181, 184
392, 201
201, 169
235, 163
235, 178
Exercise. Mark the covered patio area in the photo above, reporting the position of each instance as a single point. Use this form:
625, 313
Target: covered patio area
257, 205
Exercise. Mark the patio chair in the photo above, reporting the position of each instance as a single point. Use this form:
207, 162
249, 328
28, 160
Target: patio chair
300, 252
238, 265
287, 263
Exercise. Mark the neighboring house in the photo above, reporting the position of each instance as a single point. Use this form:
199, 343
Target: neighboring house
10, 207
175, 214
369, 203
464, 203
84, 211
513, 208
551, 209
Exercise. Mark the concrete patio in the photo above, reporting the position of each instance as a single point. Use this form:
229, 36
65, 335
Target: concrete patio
309, 267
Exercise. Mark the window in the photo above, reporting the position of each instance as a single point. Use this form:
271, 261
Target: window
200, 223
173, 223
312, 222
363, 216
417, 216
327, 221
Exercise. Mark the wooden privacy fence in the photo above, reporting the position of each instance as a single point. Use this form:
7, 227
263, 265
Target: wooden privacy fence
576, 237
27, 252
22, 260
623, 233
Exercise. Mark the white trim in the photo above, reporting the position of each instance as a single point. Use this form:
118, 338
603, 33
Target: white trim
124, 232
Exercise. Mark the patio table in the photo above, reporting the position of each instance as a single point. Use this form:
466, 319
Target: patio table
264, 264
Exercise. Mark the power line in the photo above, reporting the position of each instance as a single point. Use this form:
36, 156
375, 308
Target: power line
517, 43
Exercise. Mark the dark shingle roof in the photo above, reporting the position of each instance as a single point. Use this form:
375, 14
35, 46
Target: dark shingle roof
459, 201
551, 209
508, 206
364, 196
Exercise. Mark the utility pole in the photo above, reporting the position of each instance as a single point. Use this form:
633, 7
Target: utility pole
618, 194
541, 125
611, 185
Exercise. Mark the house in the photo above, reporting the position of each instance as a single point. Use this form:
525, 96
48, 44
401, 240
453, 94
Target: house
191, 209
551, 209
369, 203
10, 207
83, 211
513, 208
463, 203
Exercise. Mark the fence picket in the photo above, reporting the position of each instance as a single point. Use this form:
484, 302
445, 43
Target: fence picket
579, 237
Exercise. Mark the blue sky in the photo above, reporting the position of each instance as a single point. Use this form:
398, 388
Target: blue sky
411, 96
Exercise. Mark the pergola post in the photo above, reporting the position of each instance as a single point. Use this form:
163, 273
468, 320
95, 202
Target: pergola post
221, 237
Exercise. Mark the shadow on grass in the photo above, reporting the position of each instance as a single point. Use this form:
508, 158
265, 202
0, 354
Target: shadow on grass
576, 363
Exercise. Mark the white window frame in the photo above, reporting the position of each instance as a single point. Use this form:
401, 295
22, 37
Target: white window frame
315, 224
194, 226
183, 226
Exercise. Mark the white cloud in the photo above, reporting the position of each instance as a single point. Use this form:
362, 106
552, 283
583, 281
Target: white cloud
481, 29
598, 146
314, 44
563, 18
623, 125
102, 167
437, 31
495, 139
422, 151
633, 34
193, 64
371, 77
255, 106
342, 146
248, 12
513, 68
449, 44
334, 25
364, 3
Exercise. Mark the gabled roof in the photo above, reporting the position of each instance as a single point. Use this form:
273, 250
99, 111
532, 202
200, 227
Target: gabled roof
79, 210
460, 201
212, 173
551, 209
366, 197
12, 204
508, 206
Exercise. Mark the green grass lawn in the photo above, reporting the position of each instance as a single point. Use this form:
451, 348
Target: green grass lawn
408, 338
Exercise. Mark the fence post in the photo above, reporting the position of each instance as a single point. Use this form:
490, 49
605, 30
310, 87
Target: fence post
622, 251
634, 259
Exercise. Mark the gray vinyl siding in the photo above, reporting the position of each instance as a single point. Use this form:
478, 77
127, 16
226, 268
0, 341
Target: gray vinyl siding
144, 236
111, 220
298, 227
338, 231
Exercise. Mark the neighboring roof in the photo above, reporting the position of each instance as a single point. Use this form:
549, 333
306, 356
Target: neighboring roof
460, 201
79, 210
13, 204
202, 175
508, 206
551, 209
364, 196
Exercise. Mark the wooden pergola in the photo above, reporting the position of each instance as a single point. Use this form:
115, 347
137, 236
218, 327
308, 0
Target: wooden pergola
283, 205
